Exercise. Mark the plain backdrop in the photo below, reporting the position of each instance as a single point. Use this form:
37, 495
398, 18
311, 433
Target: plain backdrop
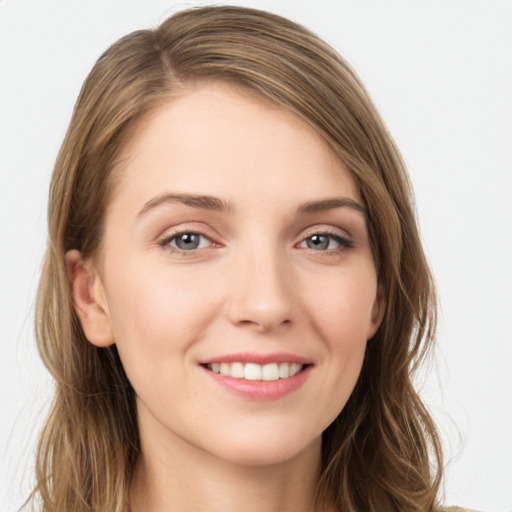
440, 73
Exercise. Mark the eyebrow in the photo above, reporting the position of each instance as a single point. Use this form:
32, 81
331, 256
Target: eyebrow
215, 204
196, 201
329, 204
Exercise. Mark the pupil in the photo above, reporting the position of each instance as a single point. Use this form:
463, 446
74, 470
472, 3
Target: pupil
188, 241
318, 242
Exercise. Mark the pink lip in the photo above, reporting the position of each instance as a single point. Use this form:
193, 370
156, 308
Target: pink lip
260, 390
251, 357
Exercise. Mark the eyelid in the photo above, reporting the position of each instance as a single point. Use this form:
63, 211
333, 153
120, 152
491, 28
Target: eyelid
326, 229
178, 235
346, 241
173, 233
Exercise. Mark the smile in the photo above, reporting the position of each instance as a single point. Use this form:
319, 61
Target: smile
255, 371
257, 376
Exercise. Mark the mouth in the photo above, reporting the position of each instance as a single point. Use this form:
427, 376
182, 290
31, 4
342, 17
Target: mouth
259, 377
256, 372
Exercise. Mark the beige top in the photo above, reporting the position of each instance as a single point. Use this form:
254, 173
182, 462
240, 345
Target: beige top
456, 509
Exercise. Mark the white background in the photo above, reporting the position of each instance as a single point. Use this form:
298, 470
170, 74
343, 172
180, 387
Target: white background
441, 74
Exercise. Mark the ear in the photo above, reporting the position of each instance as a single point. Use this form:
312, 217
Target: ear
377, 314
89, 300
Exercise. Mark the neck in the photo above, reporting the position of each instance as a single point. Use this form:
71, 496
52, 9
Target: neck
178, 477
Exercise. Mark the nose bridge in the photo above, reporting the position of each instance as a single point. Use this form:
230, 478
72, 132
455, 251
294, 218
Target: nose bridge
261, 292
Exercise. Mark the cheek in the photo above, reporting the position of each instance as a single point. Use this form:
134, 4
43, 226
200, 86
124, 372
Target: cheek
342, 311
341, 316
156, 315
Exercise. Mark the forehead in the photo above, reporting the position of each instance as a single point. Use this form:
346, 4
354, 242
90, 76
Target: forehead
221, 140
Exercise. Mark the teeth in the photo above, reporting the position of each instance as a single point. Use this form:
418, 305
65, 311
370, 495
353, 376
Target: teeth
284, 370
295, 368
237, 370
270, 371
253, 371
224, 368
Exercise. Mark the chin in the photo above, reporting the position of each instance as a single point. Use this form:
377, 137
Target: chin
259, 449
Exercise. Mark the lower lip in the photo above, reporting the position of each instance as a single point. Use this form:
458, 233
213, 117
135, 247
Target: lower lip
261, 390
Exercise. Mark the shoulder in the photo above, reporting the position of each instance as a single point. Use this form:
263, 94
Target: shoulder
455, 509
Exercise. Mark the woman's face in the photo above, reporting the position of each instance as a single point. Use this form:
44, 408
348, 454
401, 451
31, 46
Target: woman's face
235, 242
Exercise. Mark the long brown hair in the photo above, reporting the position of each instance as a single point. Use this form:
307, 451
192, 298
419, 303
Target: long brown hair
382, 452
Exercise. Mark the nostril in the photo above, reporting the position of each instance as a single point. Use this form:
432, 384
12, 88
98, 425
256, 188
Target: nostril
264, 324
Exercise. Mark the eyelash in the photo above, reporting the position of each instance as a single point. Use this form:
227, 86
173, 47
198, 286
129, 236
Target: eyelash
344, 243
166, 242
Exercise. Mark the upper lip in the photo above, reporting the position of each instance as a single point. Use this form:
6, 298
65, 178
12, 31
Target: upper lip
252, 357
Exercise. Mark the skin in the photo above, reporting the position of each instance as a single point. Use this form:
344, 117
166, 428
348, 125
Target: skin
256, 283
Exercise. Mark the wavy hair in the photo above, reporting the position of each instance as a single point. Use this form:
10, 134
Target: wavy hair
382, 452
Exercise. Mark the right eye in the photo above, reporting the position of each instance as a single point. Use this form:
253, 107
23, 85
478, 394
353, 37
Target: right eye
186, 241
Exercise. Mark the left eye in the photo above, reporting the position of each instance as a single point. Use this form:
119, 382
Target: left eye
188, 241
322, 242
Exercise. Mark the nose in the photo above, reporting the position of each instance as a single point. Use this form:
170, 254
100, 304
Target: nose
261, 295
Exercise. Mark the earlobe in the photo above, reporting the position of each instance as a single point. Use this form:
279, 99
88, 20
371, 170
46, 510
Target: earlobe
89, 300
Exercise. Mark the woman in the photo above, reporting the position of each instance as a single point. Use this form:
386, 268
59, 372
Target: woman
234, 296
